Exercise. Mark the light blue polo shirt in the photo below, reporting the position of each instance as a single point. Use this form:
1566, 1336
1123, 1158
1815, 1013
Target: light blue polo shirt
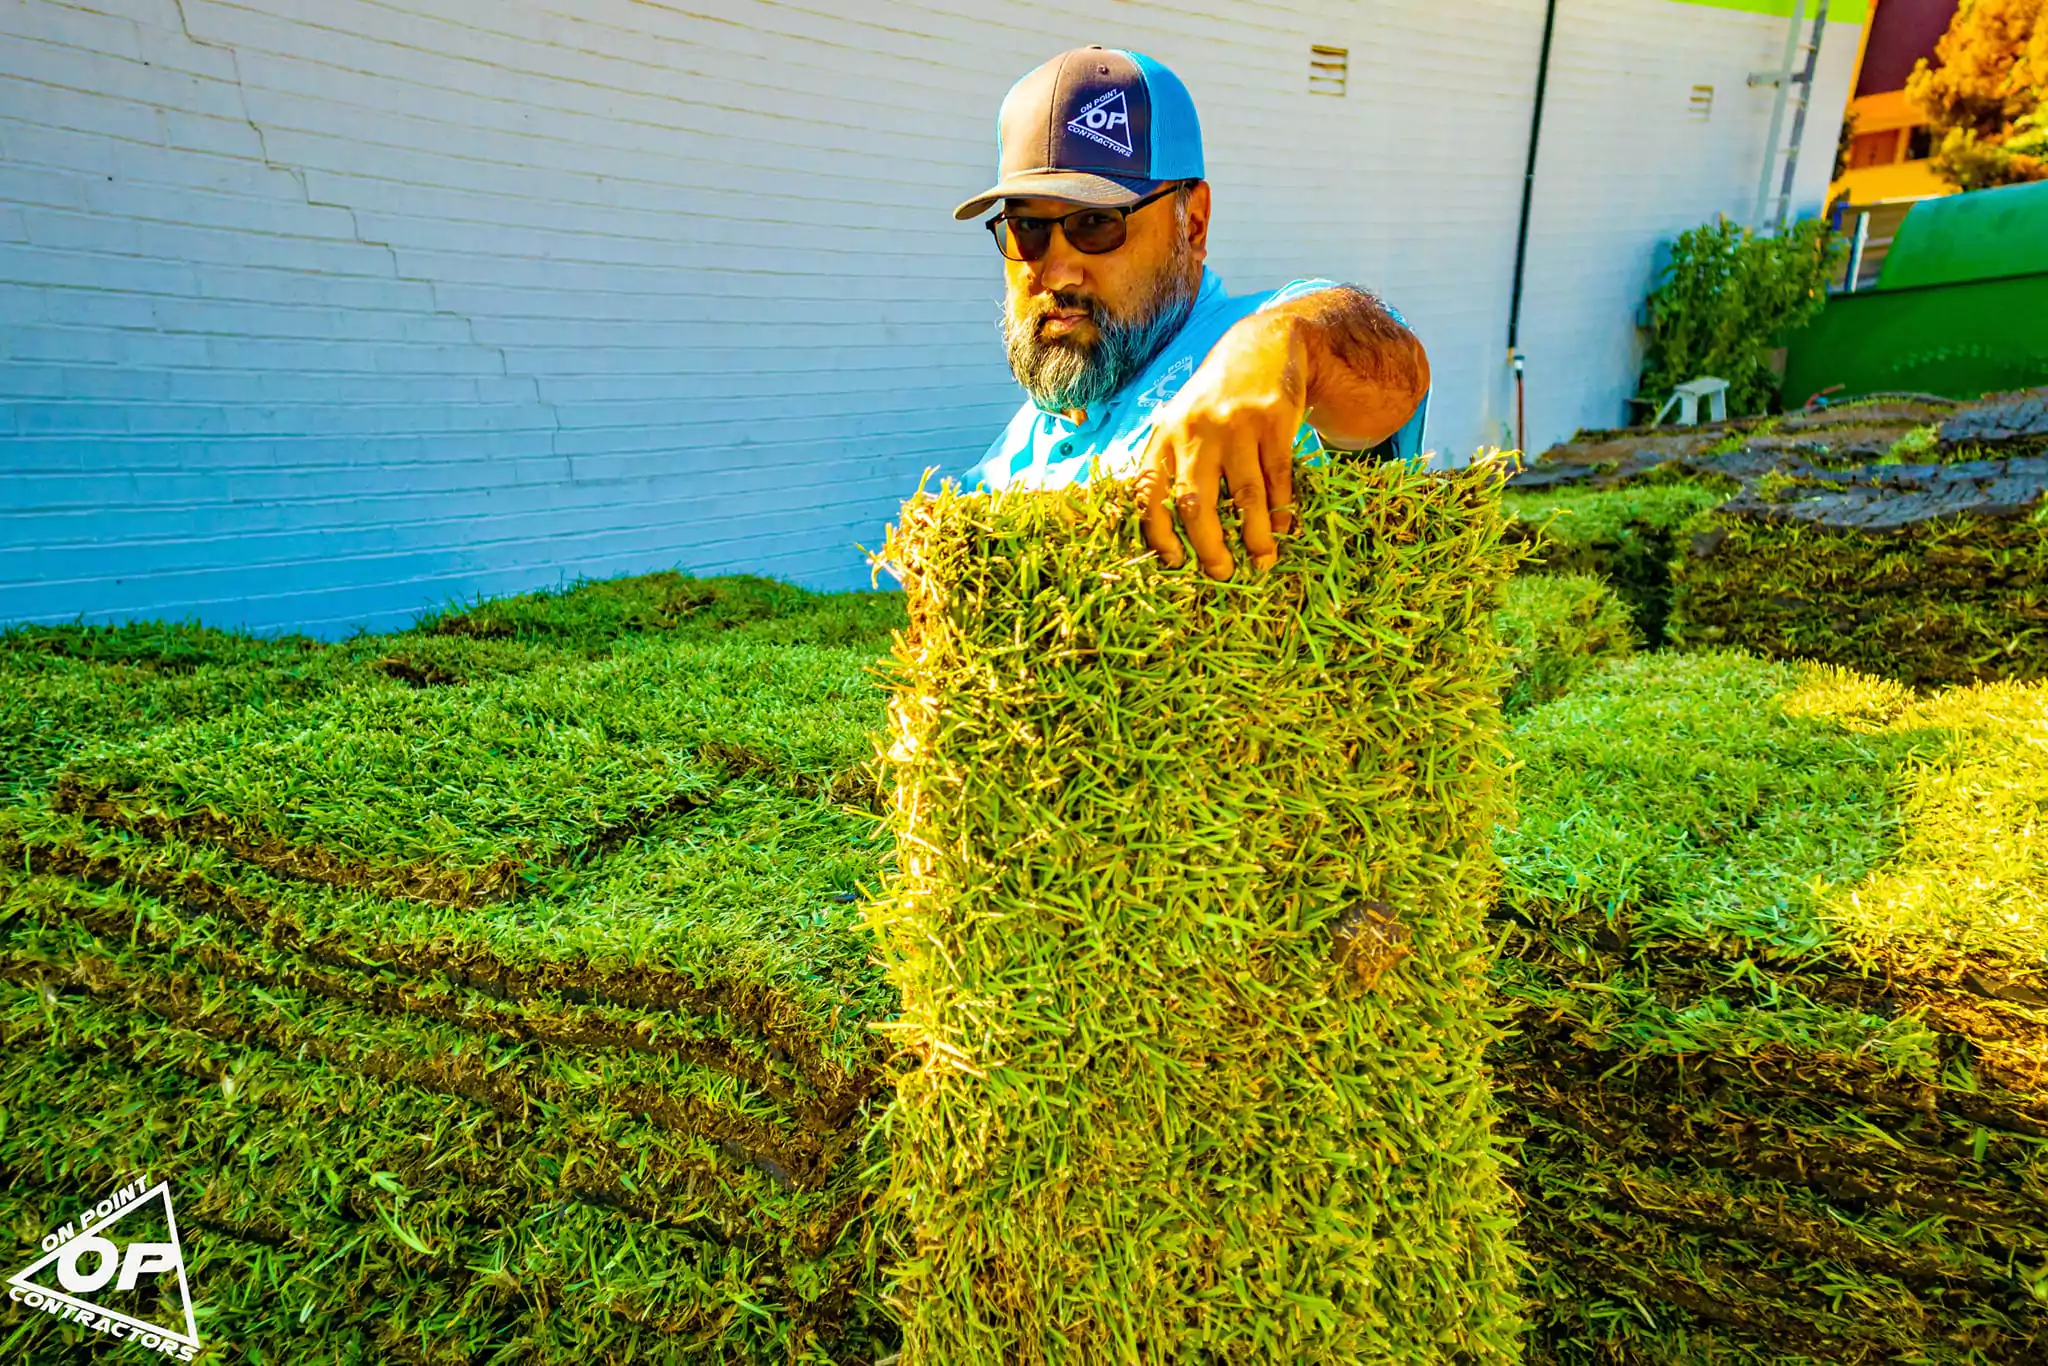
1041, 449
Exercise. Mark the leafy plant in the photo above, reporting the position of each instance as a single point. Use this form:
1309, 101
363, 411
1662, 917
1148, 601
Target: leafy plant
1986, 95
1726, 298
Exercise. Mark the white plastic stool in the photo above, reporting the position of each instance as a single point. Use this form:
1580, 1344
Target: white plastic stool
1687, 397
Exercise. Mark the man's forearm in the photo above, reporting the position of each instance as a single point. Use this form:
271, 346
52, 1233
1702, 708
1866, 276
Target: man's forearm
1365, 372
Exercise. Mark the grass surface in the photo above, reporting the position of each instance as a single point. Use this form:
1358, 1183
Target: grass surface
1188, 931
466, 795
1772, 935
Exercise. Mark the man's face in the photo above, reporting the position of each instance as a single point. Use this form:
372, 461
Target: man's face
1079, 327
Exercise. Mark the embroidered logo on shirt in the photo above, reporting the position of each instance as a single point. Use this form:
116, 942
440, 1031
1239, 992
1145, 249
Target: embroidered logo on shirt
1106, 120
1167, 385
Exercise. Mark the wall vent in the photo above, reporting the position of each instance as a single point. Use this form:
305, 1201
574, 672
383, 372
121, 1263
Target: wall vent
1702, 103
1328, 67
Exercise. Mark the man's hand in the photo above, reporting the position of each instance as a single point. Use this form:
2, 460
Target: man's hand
1334, 356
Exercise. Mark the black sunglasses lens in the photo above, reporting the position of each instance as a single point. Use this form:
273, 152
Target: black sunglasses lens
1023, 239
1095, 232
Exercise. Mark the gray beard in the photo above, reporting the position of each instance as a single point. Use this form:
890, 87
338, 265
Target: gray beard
1062, 374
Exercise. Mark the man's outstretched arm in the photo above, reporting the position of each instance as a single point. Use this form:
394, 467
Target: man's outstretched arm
1334, 356
1367, 373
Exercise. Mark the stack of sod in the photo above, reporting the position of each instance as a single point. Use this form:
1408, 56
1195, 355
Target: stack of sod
1777, 937
1774, 934
2013, 424
1187, 922
515, 1015
1627, 536
1929, 574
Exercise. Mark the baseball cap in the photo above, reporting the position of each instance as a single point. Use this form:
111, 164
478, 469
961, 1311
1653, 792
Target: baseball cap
1096, 126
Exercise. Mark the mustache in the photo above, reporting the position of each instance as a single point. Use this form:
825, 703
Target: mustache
1063, 300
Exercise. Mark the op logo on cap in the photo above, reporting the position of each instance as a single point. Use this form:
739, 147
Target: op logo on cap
1105, 120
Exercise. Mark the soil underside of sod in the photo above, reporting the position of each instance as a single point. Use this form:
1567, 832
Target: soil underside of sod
461, 1045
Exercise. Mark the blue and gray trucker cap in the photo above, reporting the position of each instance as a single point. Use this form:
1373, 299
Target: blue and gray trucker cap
1098, 127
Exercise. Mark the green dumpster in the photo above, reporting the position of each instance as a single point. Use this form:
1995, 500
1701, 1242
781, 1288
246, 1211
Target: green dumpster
1960, 308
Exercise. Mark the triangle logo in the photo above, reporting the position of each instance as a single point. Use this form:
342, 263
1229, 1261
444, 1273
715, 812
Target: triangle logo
1106, 121
118, 1269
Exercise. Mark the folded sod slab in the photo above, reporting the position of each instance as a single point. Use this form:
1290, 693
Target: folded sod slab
1558, 628
1776, 937
1187, 924
1928, 574
1625, 535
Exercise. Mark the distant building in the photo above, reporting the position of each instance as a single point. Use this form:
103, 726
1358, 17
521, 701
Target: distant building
318, 313
1890, 143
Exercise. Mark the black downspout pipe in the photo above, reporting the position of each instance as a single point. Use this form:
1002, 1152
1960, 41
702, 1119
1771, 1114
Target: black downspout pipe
1522, 233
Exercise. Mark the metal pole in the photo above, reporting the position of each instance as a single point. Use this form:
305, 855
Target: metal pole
1522, 232
1856, 250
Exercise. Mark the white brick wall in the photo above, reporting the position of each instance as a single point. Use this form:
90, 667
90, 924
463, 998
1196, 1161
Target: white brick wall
315, 313
1625, 167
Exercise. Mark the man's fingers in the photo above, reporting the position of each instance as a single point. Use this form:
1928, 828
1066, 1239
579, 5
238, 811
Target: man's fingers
1244, 468
1194, 498
1191, 465
1277, 458
1153, 486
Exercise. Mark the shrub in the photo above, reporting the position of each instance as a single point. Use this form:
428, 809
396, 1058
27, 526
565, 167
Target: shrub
1986, 95
1724, 301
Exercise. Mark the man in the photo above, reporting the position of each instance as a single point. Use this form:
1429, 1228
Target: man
1126, 342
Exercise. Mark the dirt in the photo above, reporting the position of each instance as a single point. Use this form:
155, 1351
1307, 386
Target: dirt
415, 673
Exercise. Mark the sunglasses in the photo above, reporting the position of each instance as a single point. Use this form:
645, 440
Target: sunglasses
1088, 231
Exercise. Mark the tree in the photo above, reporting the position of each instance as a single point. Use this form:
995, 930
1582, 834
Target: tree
1986, 101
